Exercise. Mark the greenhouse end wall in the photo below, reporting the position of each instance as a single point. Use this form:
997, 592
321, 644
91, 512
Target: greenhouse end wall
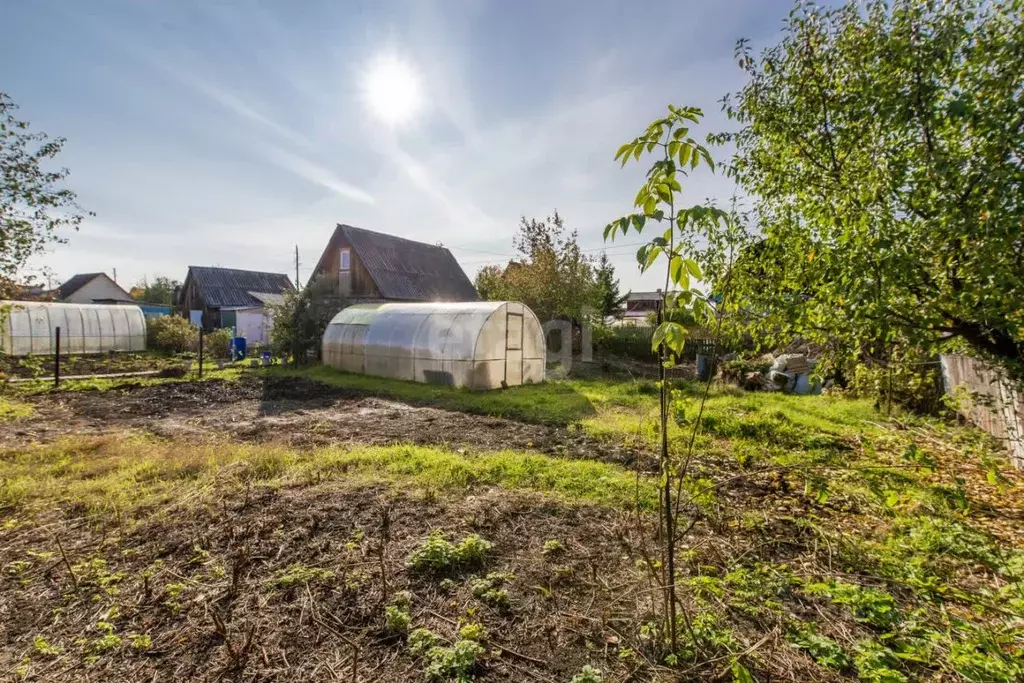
478, 345
30, 327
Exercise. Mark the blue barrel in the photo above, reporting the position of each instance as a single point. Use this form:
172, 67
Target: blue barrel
705, 368
238, 348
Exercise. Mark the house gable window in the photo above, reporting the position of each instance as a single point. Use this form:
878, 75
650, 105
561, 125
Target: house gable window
346, 259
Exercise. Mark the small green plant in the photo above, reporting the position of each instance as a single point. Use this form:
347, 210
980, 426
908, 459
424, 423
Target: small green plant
396, 614
822, 649
139, 641
438, 555
106, 642
487, 590
474, 631
588, 674
298, 573
44, 648
455, 663
421, 640
868, 605
552, 547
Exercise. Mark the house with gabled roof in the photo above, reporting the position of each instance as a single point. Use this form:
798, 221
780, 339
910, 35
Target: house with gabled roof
214, 297
92, 288
360, 265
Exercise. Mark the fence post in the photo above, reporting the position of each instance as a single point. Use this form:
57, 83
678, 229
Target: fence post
200, 353
56, 361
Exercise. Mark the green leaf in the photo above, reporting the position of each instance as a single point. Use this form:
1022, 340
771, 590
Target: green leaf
624, 151
740, 673
671, 335
684, 154
693, 268
638, 221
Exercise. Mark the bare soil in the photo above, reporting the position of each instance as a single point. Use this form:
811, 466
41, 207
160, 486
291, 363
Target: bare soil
294, 412
206, 582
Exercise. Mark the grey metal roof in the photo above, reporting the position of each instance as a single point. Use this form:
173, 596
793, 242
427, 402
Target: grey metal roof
408, 270
224, 287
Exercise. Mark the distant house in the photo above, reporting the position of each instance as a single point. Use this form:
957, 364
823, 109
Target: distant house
92, 288
366, 266
639, 305
227, 297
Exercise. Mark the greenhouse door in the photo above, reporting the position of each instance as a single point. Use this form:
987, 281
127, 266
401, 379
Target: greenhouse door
513, 349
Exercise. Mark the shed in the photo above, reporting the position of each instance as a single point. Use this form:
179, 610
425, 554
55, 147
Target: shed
213, 297
29, 327
478, 344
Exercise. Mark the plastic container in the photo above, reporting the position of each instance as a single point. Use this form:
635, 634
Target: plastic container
705, 367
238, 348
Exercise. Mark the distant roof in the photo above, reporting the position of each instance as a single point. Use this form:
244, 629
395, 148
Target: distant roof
224, 287
643, 296
76, 282
407, 270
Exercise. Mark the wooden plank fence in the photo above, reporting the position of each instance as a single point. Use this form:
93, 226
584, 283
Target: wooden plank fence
997, 407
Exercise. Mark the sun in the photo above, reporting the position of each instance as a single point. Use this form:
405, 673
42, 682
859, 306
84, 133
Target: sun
391, 90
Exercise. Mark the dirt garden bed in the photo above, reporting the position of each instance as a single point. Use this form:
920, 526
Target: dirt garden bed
292, 411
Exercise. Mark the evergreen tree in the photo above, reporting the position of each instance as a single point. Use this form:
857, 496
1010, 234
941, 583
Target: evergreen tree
608, 287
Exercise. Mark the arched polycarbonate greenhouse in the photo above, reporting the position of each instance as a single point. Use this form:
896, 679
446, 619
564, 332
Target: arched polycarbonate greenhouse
30, 327
479, 344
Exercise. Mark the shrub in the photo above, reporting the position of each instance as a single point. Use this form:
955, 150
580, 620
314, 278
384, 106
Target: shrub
300, 320
171, 333
217, 344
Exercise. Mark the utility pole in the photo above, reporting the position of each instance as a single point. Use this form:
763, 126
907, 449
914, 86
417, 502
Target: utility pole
115, 275
296, 266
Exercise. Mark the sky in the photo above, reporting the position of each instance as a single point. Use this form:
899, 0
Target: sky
208, 132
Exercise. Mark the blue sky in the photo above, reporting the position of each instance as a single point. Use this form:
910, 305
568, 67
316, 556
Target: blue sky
224, 133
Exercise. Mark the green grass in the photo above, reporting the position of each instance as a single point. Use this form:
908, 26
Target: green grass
120, 472
12, 409
557, 402
107, 384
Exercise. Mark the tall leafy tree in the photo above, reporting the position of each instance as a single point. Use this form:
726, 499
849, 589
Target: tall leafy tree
608, 287
158, 291
883, 146
35, 208
551, 275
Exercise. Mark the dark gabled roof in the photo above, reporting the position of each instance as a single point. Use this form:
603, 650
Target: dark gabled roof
408, 270
223, 287
75, 283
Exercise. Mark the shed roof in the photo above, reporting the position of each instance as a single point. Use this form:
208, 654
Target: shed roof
228, 287
405, 269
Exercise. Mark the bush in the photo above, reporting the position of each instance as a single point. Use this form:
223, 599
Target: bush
300, 321
217, 344
916, 382
171, 333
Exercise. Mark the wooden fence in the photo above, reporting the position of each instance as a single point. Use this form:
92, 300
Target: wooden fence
996, 405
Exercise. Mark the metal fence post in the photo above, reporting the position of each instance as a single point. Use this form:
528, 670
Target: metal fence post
56, 361
200, 353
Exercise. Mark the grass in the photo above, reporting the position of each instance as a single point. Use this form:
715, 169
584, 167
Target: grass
120, 474
558, 402
877, 548
230, 373
12, 409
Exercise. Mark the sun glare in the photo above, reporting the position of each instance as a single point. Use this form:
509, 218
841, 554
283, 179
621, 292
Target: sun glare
391, 89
